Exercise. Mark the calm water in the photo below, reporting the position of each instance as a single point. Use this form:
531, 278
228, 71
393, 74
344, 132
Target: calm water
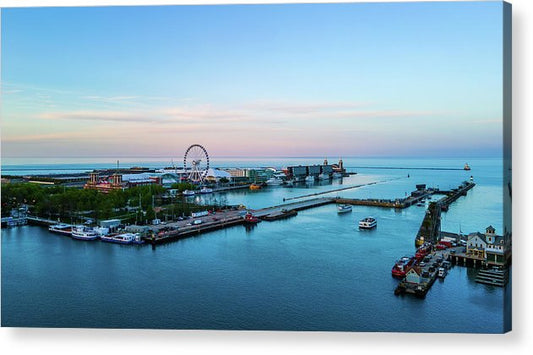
315, 271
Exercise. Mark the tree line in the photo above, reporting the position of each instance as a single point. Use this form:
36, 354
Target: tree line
134, 205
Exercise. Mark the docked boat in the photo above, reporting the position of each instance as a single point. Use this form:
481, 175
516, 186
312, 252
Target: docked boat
84, 233
256, 186
324, 176
402, 266
251, 219
466, 167
424, 250
124, 238
188, 193
274, 181
344, 208
442, 272
206, 190
61, 228
289, 183
368, 223
310, 178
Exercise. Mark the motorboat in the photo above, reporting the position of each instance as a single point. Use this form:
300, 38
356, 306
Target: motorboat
442, 272
188, 193
206, 190
424, 250
123, 238
402, 266
344, 208
255, 186
466, 167
274, 181
368, 223
84, 233
251, 219
61, 228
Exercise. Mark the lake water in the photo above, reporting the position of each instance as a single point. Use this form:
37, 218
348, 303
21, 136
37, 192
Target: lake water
315, 271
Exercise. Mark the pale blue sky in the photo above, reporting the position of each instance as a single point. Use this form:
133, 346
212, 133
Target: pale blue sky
409, 79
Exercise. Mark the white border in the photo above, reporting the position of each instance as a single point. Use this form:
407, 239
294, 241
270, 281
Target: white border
85, 341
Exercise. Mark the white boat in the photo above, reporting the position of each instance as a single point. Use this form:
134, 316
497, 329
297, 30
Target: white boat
274, 181
206, 190
61, 228
124, 238
442, 272
188, 193
323, 176
84, 233
344, 208
368, 223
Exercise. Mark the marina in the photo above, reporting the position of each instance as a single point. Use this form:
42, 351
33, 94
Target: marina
232, 221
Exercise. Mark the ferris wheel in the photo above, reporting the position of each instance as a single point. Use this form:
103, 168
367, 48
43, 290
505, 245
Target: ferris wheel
196, 163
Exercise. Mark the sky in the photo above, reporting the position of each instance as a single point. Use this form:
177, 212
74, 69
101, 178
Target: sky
363, 79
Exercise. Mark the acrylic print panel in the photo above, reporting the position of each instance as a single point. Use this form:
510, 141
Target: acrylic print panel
334, 167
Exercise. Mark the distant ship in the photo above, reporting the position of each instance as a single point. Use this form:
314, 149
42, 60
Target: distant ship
467, 167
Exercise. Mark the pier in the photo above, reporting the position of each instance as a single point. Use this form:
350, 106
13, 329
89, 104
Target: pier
429, 230
423, 275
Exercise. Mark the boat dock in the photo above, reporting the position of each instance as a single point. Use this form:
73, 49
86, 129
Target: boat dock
426, 274
167, 232
429, 230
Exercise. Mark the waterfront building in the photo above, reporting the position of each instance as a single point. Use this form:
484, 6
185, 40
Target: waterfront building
498, 249
414, 275
476, 245
494, 249
113, 182
214, 175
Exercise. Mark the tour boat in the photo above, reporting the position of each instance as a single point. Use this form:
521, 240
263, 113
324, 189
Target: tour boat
61, 228
206, 190
466, 167
188, 193
399, 270
368, 223
84, 233
344, 208
124, 238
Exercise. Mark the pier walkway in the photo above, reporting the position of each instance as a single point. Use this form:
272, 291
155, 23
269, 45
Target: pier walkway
297, 206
